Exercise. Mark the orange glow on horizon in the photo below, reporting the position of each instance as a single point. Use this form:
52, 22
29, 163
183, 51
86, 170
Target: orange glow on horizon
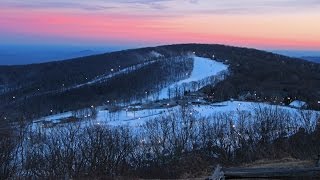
297, 31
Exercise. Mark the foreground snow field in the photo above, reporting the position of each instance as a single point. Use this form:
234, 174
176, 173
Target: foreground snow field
139, 117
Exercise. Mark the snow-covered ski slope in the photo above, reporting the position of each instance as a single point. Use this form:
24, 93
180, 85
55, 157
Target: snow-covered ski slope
203, 68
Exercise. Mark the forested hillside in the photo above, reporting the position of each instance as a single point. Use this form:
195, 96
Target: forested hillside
35, 90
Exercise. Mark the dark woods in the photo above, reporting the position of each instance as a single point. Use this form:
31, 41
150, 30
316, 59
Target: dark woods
125, 87
177, 145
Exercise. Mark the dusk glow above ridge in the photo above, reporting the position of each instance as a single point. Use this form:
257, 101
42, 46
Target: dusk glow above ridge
276, 24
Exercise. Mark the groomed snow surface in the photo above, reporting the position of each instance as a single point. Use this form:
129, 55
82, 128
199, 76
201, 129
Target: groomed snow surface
202, 68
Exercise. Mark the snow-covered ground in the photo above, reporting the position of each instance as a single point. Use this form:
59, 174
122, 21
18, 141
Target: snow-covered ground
202, 68
156, 54
138, 118
55, 118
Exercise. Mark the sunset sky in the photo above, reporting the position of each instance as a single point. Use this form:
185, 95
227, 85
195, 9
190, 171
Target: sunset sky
264, 24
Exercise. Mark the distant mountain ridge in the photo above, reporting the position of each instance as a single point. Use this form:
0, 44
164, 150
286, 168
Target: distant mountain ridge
311, 58
14, 58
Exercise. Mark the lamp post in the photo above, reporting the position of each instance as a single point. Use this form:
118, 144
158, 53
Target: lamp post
146, 92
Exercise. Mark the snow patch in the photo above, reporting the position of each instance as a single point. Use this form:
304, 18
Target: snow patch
298, 104
156, 54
